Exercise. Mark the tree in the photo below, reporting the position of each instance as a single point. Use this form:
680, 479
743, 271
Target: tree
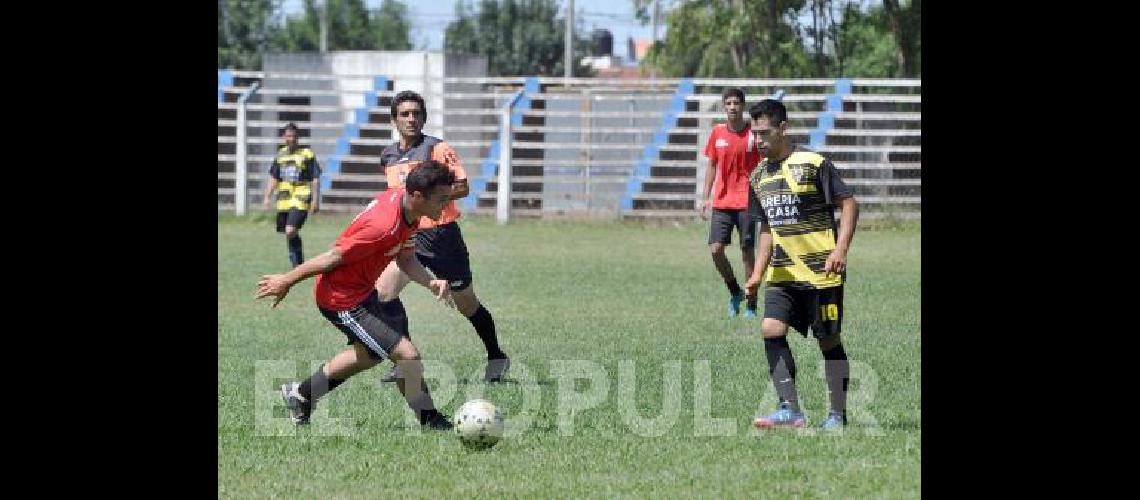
907, 31
723, 38
351, 26
390, 24
863, 44
518, 37
764, 38
245, 28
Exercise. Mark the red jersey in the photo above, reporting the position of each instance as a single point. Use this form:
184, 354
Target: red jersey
735, 157
366, 246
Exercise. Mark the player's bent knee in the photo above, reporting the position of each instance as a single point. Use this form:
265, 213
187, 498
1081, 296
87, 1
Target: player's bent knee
405, 350
391, 282
716, 249
465, 299
772, 328
384, 293
290, 231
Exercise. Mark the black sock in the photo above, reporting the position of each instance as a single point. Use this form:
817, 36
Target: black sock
394, 310
485, 326
838, 373
414, 388
752, 303
733, 287
317, 385
782, 368
426, 414
295, 255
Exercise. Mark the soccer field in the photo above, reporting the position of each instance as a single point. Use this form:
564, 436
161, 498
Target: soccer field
631, 381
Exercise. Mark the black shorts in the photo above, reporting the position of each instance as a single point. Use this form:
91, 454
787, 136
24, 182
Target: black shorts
291, 217
724, 220
369, 325
442, 250
822, 310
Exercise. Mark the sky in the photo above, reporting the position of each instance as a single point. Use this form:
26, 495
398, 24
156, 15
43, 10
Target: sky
429, 19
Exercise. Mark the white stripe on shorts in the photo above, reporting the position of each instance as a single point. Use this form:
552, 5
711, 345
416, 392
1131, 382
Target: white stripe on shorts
361, 334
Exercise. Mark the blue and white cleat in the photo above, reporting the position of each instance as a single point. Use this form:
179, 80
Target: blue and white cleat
835, 421
784, 417
734, 305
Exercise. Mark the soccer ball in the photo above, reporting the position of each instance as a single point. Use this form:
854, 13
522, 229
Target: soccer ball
479, 424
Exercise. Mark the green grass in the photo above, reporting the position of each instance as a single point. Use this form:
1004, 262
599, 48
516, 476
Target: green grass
603, 293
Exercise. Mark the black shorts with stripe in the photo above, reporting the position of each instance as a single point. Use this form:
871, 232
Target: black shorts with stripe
819, 309
370, 325
442, 250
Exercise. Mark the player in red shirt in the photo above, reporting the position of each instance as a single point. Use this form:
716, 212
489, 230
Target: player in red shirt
346, 295
732, 156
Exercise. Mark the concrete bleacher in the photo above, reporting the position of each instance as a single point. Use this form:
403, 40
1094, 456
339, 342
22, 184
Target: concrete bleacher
593, 147
874, 138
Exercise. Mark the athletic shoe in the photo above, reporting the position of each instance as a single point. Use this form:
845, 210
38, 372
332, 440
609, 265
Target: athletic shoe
496, 369
784, 417
299, 408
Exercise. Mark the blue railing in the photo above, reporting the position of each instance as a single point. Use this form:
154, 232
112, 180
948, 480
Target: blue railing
489, 167
660, 137
225, 79
352, 130
826, 119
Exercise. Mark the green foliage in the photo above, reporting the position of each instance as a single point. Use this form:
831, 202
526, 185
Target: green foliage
351, 26
518, 37
768, 39
248, 28
391, 26
730, 38
245, 28
865, 44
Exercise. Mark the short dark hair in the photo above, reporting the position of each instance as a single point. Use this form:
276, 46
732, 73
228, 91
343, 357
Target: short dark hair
734, 91
290, 126
773, 109
427, 176
409, 95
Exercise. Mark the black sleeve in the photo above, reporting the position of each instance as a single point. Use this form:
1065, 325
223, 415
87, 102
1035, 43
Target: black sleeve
275, 170
755, 211
314, 167
831, 184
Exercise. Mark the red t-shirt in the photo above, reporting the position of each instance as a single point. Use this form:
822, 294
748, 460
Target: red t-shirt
735, 158
366, 247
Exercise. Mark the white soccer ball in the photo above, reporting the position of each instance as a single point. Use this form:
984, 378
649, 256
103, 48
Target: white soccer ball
479, 424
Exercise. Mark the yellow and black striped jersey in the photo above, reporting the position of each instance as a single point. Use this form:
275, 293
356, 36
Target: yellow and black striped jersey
294, 171
794, 199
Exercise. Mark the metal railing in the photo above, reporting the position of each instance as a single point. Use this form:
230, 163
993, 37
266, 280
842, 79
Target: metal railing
241, 191
574, 139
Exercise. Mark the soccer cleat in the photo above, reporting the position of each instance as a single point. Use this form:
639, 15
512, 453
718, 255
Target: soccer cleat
783, 417
749, 313
496, 369
835, 421
734, 305
390, 376
299, 408
438, 422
